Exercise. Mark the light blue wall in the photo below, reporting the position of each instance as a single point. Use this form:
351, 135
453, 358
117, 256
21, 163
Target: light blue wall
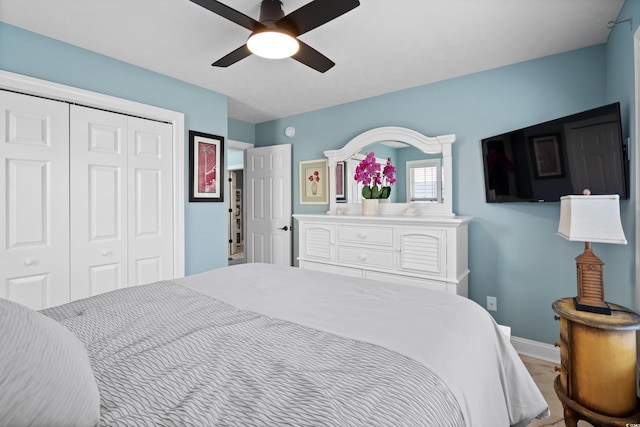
514, 252
242, 131
235, 159
33, 55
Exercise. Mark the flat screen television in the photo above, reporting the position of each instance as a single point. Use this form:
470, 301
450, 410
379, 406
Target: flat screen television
544, 162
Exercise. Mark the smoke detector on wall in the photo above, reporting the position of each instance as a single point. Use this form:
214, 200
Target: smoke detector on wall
290, 131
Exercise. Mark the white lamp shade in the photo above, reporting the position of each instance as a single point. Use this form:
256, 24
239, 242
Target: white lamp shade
593, 219
272, 44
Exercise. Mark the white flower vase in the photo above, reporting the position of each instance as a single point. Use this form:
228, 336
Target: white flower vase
369, 206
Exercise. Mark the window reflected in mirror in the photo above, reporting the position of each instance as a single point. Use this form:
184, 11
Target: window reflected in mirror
424, 181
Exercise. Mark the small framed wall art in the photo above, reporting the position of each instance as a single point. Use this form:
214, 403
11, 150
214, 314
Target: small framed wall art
548, 156
206, 167
341, 196
314, 182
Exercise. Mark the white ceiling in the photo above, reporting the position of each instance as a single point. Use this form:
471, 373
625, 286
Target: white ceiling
379, 47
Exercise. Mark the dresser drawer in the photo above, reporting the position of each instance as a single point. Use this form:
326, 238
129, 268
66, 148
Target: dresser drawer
564, 355
365, 257
564, 331
367, 235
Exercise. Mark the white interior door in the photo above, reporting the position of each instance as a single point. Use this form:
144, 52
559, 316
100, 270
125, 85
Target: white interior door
98, 201
150, 201
592, 152
34, 202
268, 186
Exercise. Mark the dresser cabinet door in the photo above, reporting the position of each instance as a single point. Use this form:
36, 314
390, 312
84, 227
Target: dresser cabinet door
421, 251
318, 241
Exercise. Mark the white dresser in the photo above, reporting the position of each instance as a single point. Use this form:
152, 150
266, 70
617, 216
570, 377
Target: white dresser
429, 252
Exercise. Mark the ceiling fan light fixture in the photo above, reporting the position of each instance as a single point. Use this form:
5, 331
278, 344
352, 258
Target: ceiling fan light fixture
272, 44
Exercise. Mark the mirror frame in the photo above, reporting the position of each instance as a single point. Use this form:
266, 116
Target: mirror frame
426, 144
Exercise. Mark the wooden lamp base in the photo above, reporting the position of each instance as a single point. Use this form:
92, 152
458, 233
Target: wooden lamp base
592, 308
590, 283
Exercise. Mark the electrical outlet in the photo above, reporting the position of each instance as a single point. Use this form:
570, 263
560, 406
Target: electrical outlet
492, 303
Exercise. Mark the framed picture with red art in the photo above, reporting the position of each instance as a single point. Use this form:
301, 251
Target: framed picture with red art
206, 167
314, 182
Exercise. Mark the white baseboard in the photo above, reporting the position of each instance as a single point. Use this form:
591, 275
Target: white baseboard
536, 349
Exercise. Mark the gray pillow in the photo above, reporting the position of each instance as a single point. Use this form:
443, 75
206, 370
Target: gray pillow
45, 375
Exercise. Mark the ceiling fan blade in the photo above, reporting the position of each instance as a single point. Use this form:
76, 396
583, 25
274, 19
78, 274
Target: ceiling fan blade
230, 14
314, 14
233, 57
312, 58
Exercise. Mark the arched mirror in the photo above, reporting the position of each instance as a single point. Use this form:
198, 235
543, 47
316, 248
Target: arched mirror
413, 154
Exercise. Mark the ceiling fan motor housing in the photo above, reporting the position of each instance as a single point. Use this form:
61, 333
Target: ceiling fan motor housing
270, 12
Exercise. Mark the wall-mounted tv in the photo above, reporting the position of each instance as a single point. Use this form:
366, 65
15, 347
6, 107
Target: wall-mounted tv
544, 162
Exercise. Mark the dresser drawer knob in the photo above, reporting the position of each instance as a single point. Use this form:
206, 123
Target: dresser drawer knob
362, 257
28, 262
362, 236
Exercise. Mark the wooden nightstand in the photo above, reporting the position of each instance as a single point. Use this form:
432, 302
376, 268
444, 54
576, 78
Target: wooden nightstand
597, 381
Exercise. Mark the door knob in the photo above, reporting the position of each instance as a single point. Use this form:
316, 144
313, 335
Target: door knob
285, 228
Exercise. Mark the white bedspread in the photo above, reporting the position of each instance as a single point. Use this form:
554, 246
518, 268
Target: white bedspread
451, 335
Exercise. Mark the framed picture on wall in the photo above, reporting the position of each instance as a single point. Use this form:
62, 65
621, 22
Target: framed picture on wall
206, 167
341, 197
314, 182
547, 155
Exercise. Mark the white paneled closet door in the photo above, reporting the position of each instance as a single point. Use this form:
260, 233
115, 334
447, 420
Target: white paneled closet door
34, 201
98, 191
150, 200
121, 201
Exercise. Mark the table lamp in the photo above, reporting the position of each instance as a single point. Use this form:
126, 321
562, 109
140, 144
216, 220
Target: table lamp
591, 219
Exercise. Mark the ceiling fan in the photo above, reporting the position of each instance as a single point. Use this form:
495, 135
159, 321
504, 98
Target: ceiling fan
275, 35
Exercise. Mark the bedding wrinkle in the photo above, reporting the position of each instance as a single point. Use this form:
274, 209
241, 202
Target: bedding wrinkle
448, 334
239, 367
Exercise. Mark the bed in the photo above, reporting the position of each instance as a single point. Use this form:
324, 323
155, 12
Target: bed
262, 345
